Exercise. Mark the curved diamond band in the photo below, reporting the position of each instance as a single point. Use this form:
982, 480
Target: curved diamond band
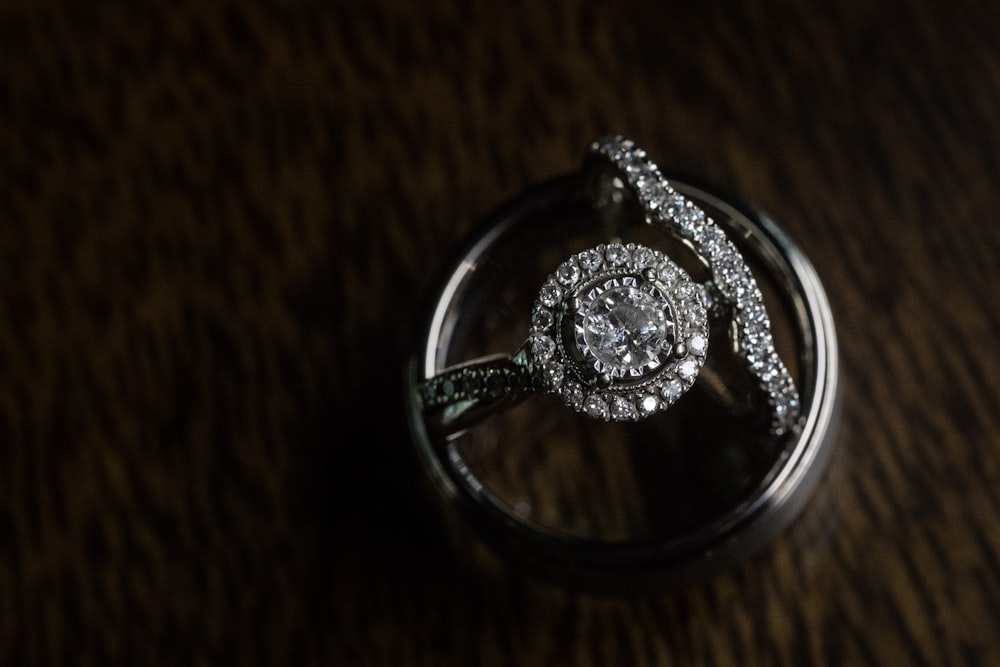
667, 209
620, 331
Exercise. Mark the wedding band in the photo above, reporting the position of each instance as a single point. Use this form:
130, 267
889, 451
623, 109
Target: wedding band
657, 308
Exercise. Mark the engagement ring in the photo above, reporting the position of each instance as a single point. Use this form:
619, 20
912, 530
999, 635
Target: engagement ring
624, 377
620, 331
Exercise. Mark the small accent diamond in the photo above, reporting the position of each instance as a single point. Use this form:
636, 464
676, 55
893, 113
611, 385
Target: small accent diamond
550, 295
591, 259
648, 405
668, 272
644, 257
596, 407
621, 408
616, 253
695, 314
697, 344
541, 319
568, 273
543, 347
572, 394
671, 390
553, 372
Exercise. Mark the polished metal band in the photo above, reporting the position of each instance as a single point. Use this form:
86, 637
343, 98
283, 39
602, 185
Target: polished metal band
796, 453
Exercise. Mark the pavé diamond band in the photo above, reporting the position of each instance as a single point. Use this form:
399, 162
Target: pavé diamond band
620, 331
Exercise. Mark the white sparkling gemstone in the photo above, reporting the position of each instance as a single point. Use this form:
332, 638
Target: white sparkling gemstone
739, 287
568, 273
553, 373
714, 243
757, 359
591, 259
550, 295
753, 316
572, 394
779, 383
687, 369
668, 272
671, 390
762, 348
596, 407
691, 218
755, 332
695, 314
643, 257
756, 314
541, 319
627, 329
676, 205
635, 165
771, 368
543, 347
643, 178
734, 280
730, 261
648, 405
697, 344
648, 186
621, 408
616, 253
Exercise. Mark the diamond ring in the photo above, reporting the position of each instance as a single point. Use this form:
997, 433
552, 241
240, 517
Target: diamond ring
620, 331
623, 293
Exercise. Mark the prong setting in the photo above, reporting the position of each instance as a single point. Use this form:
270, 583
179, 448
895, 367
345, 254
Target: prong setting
619, 332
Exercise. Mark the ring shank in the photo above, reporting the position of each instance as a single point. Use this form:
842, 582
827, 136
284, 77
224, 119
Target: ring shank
729, 535
460, 395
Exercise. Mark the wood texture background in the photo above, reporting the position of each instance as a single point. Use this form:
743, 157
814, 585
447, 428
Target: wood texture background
217, 220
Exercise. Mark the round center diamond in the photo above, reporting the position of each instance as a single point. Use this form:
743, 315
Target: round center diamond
628, 330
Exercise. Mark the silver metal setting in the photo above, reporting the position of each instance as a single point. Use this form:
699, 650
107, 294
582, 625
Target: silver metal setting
586, 381
619, 332
803, 415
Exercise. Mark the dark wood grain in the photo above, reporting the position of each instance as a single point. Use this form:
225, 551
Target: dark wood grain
217, 221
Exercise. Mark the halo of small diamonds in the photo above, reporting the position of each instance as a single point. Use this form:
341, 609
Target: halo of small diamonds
669, 210
618, 331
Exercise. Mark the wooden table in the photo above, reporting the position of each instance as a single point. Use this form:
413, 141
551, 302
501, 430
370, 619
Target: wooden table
217, 221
